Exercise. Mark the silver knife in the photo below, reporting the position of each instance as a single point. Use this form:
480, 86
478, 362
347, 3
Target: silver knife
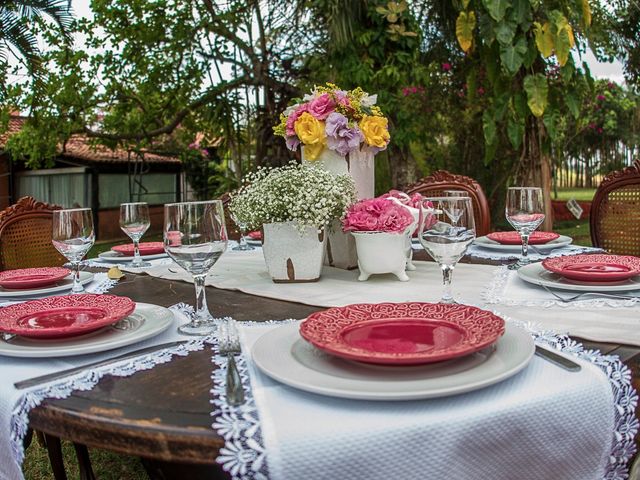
65, 373
558, 360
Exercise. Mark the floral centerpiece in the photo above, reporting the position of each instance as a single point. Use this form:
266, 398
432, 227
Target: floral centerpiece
293, 204
334, 119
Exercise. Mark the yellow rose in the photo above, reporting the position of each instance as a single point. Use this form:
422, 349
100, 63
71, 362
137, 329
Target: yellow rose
310, 131
375, 131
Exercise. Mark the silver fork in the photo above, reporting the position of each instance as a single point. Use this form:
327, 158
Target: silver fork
593, 294
230, 346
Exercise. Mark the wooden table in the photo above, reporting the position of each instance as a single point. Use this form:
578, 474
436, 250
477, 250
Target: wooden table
163, 414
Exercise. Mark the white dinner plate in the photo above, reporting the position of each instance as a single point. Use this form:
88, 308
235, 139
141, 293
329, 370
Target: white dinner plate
146, 321
538, 275
284, 356
484, 242
116, 257
254, 243
63, 285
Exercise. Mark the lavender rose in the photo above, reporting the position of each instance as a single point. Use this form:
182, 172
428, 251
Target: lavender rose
340, 137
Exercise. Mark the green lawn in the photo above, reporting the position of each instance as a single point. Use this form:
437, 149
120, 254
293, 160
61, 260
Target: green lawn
582, 194
576, 229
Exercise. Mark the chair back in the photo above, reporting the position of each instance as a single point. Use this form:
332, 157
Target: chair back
441, 180
615, 212
25, 236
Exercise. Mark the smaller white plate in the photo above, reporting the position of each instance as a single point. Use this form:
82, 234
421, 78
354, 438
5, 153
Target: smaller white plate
561, 241
61, 286
284, 356
538, 275
116, 257
146, 321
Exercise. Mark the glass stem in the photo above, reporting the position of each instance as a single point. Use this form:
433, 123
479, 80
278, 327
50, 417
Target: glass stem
525, 247
137, 259
77, 286
243, 240
447, 274
202, 314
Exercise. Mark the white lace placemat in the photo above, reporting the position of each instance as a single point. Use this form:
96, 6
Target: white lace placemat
542, 423
15, 405
476, 251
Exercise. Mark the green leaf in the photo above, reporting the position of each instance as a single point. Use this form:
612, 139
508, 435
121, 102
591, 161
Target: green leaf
550, 121
505, 31
586, 12
572, 104
500, 104
465, 3
544, 38
537, 93
522, 13
563, 41
520, 104
489, 127
512, 56
487, 31
515, 132
496, 8
490, 153
465, 24
531, 55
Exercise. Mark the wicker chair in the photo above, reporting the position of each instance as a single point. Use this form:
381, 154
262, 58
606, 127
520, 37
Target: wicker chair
615, 212
25, 236
439, 181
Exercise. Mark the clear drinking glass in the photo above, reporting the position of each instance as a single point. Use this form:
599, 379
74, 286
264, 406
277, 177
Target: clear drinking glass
73, 237
525, 212
134, 222
195, 237
445, 240
242, 244
455, 214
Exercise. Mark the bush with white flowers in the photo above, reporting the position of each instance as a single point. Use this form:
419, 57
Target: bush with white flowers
308, 195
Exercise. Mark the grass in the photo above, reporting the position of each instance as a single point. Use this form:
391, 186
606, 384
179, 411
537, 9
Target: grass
576, 229
582, 194
106, 465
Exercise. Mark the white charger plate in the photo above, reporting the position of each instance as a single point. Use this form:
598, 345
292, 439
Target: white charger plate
284, 356
63, 285
484, 242
536, 274
116, 257
147, 321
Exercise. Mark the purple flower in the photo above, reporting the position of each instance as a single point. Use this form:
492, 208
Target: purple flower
340, 137
292, 142
601, 98
446, 67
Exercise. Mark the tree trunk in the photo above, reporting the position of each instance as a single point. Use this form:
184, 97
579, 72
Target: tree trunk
403, 167
534, 169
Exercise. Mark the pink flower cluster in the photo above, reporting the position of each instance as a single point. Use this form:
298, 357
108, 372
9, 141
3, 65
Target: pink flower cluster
411, 201
377, 215
406, 91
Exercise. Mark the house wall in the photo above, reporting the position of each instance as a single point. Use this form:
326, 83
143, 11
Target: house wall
109, 223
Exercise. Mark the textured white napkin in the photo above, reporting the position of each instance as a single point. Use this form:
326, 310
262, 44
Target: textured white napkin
544, 423
477, 251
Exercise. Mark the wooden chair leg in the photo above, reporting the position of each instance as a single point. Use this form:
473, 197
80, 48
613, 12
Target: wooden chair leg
54, 451
27, 439
41, 441
84, 462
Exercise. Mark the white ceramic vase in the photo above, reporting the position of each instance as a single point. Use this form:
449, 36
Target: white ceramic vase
381, 252
291, 256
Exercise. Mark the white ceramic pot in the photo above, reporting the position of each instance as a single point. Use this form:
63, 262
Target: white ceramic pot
292, 256
381, 252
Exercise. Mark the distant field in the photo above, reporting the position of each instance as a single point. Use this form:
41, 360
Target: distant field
583, 194
576, 229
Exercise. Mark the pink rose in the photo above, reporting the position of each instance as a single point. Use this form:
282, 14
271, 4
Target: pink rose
291, 120
377, 214
320, 107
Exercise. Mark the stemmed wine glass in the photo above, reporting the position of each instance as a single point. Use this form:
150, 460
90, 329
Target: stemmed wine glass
242, 243
134, 222
73, 236
443, 238
525, 213
195, 237
454, 215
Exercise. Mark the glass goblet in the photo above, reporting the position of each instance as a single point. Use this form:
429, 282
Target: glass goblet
134, 222
242, 246
525, 212
73, 236
445, 240
195, 237
455, 214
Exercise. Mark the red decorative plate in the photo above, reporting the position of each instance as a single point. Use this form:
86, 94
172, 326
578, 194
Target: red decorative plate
146, 248
402, 333
257, 235
65, 316
594, 268
513, 238
32, 277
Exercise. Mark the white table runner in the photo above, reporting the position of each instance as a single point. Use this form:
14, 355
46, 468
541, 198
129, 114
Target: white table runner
544, 422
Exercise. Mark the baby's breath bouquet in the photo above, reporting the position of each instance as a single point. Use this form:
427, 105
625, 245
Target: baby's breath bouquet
307, 195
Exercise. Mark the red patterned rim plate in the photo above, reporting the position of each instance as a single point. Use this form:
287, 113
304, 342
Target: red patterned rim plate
256, 235
32, 277
402, 333
594, 268
64, 316
513, 238
146, 248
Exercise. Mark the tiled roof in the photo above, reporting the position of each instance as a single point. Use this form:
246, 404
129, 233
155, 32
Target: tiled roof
79, 147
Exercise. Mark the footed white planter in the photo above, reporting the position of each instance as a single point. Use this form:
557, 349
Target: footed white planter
291, 256
381, 252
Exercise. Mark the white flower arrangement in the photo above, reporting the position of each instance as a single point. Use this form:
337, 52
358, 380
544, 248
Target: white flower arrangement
305, 194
